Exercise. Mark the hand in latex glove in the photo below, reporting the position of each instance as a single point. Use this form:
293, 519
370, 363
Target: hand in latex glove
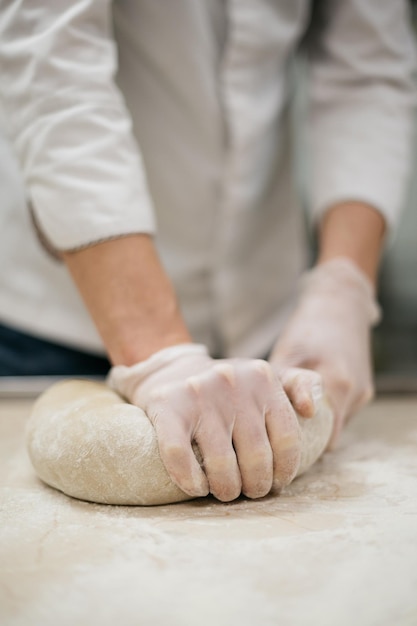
234, 409
329, 333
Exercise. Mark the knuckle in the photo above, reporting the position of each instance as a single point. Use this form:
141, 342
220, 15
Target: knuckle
288, 443
343, 381
344, 386
253, 371
303, 406
302, 385
173, 452
156, 396
291, 375
261, 376
259, 460
219, 463
262, 367
160, 395
193, 384
314, 378
226, 372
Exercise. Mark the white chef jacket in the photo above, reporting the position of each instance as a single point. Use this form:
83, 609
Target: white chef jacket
172, 118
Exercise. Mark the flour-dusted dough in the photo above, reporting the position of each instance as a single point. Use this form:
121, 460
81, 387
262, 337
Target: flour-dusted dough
86, 441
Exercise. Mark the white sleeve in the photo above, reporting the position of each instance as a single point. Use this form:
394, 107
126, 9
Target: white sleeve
68, 121
362, 99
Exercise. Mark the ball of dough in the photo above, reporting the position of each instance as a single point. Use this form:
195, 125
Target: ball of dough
86, 441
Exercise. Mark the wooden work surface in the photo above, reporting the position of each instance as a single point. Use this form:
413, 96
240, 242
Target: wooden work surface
339, 548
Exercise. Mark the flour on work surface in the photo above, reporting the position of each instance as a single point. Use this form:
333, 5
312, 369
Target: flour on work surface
337, 547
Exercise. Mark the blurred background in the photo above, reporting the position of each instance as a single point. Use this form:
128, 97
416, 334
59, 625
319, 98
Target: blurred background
395, 339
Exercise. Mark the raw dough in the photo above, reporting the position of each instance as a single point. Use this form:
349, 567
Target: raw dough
86, 441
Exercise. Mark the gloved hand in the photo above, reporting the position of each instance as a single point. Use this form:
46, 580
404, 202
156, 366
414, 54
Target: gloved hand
329, 333
235, 410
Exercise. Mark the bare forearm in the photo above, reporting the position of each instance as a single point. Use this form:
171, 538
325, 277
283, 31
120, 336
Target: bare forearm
129, 297
356, 231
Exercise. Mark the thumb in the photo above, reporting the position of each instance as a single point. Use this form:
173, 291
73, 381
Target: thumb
339, 396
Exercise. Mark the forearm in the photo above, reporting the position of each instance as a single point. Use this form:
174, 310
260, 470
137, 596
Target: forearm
356, 231
362, 110
129, 297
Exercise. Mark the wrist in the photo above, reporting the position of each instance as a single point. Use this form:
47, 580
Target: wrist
134, 336
135, 349
355, 231
125, 379
341, 280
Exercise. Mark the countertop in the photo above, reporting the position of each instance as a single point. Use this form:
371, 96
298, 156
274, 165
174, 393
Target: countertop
338, 547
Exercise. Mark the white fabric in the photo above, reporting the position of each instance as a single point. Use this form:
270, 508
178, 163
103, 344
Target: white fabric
362, 93
205, 87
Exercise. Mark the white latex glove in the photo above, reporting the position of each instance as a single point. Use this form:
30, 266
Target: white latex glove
329, 333
235, 410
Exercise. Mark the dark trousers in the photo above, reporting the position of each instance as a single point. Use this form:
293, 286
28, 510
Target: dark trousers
24, 355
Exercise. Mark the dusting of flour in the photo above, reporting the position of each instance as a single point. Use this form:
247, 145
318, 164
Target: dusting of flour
338, 547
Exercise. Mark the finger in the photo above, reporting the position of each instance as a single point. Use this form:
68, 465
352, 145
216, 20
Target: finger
219, 460
250, 437
284, 435
304, 389
254, 453
178, 456
291, 354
